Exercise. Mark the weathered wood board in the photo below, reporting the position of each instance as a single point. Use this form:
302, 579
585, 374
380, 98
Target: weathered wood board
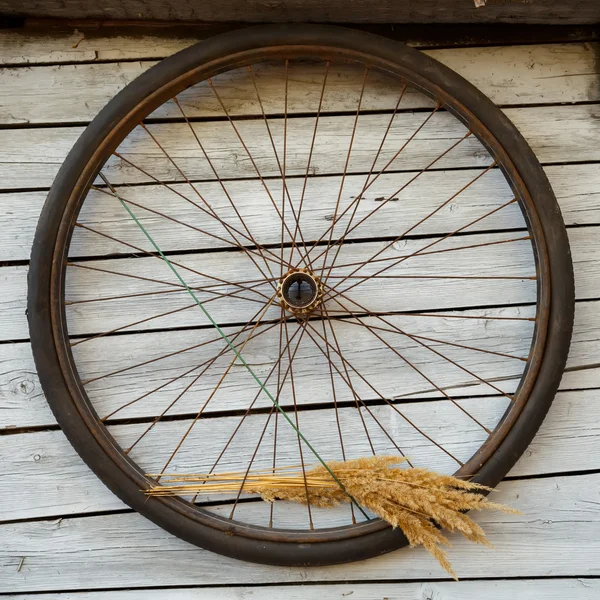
61, 529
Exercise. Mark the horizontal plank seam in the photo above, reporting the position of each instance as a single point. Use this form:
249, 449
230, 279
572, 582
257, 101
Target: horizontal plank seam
193, 327
276, 177
198, 251
127, 511
302, 115
301, 408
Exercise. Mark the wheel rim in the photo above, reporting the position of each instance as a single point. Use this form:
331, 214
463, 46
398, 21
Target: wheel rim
537, 336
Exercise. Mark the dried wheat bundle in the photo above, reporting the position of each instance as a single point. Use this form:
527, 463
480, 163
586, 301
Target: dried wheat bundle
418, 501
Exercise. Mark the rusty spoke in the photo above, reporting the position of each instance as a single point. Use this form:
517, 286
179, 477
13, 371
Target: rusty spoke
379, 395
420, 372
339, 196
381, 172
231, 202
248, 251
282, 170
234, 337
418, 339
427, 246
212, 394
173, 262
254, 165
168, 355
310, 154
470, 246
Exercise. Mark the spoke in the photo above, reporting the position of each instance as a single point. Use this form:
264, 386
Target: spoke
181, 266
401, 260
358, 198
444, 342
348, 380
339, 197
285, 191
279, 385
520, 278
403, 187
153, 360
432, 314
176, 285
284, 187
301, 331
335, 403
164, 314
291, 371
417, 370
231, 202
175, 291
184, 197
210, 208
519, 239
418, 338
254, 165
367, 180
386, 400
248, 251
310, 153
210, 360
212, 394
180, 395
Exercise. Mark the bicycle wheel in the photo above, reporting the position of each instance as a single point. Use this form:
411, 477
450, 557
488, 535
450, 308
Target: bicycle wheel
370, 232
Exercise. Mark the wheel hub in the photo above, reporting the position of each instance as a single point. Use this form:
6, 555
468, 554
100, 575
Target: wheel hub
300, 291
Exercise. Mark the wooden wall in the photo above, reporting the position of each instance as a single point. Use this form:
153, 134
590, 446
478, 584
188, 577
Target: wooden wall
327, 11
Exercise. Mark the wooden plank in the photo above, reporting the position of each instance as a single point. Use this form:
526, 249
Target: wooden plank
574, 185
520, 75
557, 134
42, 42
129, 551
45, 460
533, 589
95, 319
404, 286
336, 11
23, 403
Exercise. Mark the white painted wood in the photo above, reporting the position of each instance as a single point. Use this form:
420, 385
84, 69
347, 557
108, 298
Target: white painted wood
558, 534
574, 185
556, 134
584, 246
520, 75
410, 285
23, 404
46, 461
554, 589
129, 551
31, 47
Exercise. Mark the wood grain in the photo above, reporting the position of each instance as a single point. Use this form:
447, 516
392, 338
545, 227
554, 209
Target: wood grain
45, 461
130, 551
23, 403
520, 75
574, 185
554, 589
557, 134
336, 11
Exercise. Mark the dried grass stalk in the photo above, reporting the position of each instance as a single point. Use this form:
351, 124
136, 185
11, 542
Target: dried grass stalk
418, 501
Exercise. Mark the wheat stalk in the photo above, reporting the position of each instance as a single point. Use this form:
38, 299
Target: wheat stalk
418, 501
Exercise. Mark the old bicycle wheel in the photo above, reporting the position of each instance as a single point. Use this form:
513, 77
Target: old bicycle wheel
371, 233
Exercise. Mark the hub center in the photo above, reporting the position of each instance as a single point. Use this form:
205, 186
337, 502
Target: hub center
299, 291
